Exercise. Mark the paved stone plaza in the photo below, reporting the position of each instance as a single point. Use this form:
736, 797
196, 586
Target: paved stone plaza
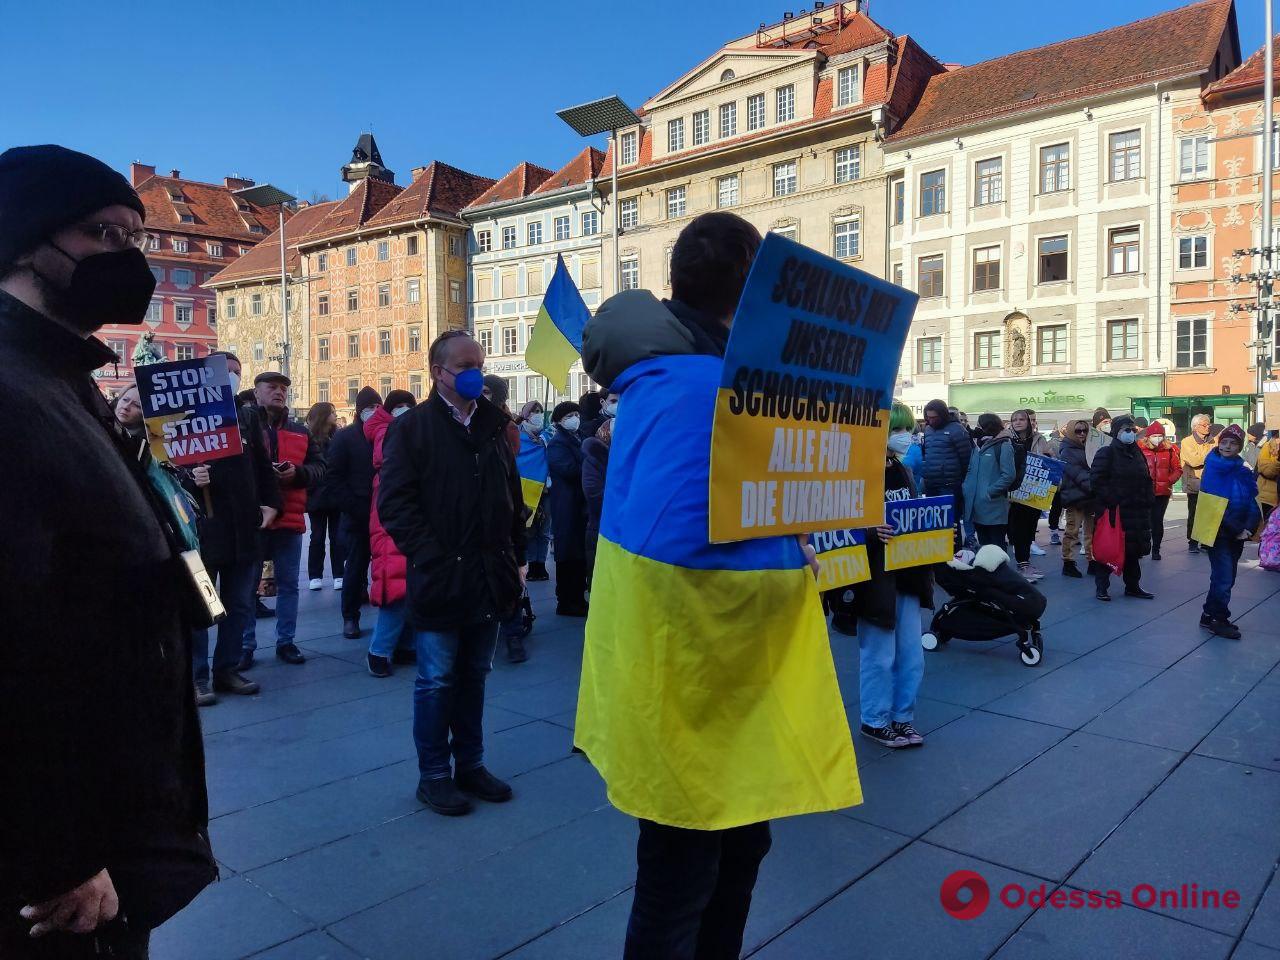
1142, 750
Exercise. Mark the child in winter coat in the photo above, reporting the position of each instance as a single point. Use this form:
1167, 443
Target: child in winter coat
1165, 464
1224, 469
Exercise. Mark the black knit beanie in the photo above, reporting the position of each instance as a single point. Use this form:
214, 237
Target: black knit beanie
45, 188
399, 398
367, 397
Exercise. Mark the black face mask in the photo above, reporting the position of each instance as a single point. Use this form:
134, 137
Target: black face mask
105, 288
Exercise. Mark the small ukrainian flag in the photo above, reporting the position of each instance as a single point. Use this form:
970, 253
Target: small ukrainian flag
531, 464
556, 341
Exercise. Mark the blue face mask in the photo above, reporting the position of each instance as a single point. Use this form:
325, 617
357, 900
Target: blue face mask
468, 383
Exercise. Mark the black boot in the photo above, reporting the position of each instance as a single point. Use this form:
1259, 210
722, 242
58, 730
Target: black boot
351, 628
1069, 569
537, 573
516, 653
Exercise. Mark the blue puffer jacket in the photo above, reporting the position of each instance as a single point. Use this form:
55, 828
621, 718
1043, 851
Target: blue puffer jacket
1243, 512
946, 458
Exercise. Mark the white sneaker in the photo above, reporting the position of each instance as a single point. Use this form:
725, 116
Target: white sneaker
337, 583
316, 583
1030, 573
1082, 549
1036, 549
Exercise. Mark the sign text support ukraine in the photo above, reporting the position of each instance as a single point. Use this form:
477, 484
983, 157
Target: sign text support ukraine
801, 414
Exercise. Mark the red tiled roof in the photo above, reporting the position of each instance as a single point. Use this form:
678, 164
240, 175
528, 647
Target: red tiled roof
1243, 79
521, 181
357, 209
858, 31
586, 166
1169, 44
215, 210
911, 72
264, 259
437, 190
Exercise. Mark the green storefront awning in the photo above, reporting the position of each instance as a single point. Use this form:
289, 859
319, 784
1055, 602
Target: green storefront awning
1060, 395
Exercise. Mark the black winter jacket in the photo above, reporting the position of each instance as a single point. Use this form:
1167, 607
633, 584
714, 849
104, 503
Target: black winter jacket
1077, 487
451, 500
566, 501
321, 497
348, 480
1121, 478
104, 765
946, 459
595, 466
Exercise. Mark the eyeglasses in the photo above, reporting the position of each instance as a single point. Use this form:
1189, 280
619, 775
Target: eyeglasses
1081, 431
116, 237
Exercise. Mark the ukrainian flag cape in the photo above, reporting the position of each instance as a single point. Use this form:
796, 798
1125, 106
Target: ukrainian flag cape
1222, 480
531, 464
708, 697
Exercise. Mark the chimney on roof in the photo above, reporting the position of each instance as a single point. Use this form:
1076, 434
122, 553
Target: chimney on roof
237, 183
366, 163
139, 172
176, 174
416, 172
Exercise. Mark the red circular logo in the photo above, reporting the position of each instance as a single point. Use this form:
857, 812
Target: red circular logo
961, 881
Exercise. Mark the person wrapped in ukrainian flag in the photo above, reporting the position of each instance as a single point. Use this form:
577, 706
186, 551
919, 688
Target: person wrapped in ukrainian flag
708, 702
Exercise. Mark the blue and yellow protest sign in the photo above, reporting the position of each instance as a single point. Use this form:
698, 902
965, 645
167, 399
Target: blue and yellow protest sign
190, 410
923, 531
1041, 482
842, 558
802, 411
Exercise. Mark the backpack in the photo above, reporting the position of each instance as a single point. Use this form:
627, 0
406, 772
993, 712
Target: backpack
1269, 547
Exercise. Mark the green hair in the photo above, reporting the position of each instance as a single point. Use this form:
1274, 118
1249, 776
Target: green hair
901, 417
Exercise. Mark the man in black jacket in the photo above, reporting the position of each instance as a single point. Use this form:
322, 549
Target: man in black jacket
349, 481
450, 498
103, 810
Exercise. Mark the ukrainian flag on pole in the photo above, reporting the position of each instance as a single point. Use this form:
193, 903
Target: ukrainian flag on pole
556, 341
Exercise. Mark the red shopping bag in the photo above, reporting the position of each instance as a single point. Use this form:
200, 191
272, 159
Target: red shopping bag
1108, 540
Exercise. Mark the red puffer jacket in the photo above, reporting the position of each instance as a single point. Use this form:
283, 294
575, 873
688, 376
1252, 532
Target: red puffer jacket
390, 578
288, 440
1165, 465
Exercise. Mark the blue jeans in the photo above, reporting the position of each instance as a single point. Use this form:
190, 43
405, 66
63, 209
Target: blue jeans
284, 549
1224, 555
892, 666
539, 540
448, 697
389, 628
236, 589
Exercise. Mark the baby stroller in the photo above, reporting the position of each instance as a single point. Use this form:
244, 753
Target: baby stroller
989, 600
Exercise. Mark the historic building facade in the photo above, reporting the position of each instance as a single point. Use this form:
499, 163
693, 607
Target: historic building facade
519, 228
1028, 201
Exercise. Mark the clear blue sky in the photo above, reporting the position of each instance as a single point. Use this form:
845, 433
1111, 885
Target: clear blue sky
280, 91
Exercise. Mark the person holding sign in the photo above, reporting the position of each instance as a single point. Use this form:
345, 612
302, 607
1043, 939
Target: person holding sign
1122, 484
1024, 519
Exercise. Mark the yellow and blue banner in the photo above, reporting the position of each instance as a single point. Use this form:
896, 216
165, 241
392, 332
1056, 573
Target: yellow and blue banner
531, 464
842, 558
1040, 483
802, 408
1219, 480
708, 697
190, 410
556, 341
923, 531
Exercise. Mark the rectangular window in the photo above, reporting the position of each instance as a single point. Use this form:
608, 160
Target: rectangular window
455, 245
930, 274
848, 164
184, 278
384, 250
847, 86
413, 290
353, 346
728, 120
986, 269
629, 213
1051, 344
929, 355
899, 201
158, 274
259, 352
184, 351
384, 294
183, 313
1193, 342
785, 106
1193, 158
562, 228
322, 349
411, 245
1122, 245
485, 338
590, 223
255, 305
384, 386
153, 243
847, 238
508, 238
353, 391
415, 339
322, 262
933, 193
675, 202
179, 245
1054, 252
322, 305
415, 385
231, 308
215, 249
212, 312
484, 241
510, 340
384, 343
628, 148
784, 179
535, 232
727, 191
630, 274
1122, 340
353, 300
455, 291
1055, 168
989, 179
351, 256
1126, 155
1193, 252
322, 391
896, 273
675, 134
155, 310
755, 111
701, 127
986, 351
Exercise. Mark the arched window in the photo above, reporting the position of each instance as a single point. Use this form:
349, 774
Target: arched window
727, 76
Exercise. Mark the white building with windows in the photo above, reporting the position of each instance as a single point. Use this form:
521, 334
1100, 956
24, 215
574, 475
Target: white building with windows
1028, 206
519, 227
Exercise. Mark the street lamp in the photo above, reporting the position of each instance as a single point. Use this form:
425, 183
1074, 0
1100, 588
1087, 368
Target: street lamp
266, 195
608, 115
